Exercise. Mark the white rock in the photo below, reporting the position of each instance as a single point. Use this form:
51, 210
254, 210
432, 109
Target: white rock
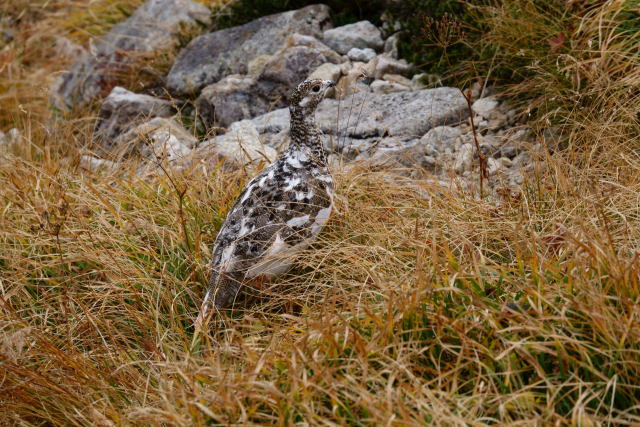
506, 162
388, 65
485, 106
353, 81
464, 159
256, 65
517, 179
165, 145
93, 163
493, 166
364, 55
520, 135
476, 89
383, 86
345, 67
64, 47
315, 44
157, 139
397, 78
391, 45
433, 80
361, 35
327, 71
406, 114
12, 138
498, 120
156, 130
241, 145
428, 162
440, 137
122, 110
416, 81
393, 152
523, 159
4, 143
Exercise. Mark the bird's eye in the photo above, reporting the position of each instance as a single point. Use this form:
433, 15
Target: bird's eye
316, 88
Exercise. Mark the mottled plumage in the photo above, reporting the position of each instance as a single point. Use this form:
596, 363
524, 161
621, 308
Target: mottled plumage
279, 211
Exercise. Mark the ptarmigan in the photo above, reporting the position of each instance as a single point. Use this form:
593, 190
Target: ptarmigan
279, 212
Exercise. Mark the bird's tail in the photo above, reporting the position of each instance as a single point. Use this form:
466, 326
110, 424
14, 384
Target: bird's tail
205, 311
222, 291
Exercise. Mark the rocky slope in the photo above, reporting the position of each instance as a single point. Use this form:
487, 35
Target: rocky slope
239, 79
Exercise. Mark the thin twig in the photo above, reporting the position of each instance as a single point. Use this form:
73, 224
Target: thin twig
482, 159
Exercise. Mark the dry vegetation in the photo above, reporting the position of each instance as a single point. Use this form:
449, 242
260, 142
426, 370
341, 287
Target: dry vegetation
403, 313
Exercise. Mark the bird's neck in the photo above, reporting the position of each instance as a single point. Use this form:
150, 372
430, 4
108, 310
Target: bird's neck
306, 135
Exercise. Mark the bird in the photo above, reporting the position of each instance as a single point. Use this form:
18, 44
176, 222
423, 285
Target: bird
279, 212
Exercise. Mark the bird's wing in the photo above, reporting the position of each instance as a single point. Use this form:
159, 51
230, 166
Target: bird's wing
268, 224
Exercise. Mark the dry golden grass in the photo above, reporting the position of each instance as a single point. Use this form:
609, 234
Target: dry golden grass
402, 313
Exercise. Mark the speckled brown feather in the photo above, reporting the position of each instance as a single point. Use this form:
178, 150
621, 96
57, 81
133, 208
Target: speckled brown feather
279, 211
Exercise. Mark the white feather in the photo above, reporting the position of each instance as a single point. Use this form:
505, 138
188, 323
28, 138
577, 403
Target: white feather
247, 193
227, 259
292, 183
298, 221
321, 219
276, 260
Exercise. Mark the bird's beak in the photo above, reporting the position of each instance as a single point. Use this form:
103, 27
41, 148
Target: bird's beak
332, 84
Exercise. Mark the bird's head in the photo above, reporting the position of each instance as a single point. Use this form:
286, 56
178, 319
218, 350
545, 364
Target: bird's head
306, 97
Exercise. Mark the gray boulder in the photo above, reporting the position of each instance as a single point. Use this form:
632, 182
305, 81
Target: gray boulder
385, 64
394, 152
485, 106
157, 140
238, 97
362, 55
273, 122
210, 57
240, 146
391, 45
326, 71
426, 152
290, 66
153, 26
464, 159
362, 35
373, 121
407, 114
122, 110
439, 140
231, 99
314, 43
